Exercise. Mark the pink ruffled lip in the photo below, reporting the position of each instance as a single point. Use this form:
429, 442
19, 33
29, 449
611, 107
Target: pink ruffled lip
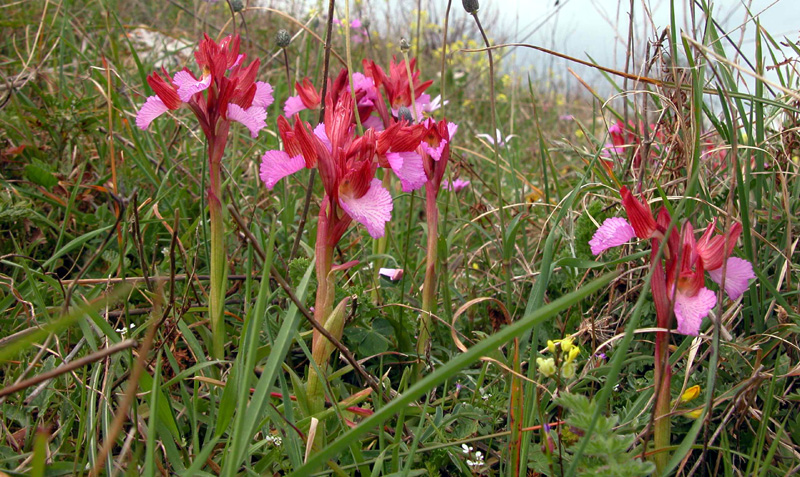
614, 232
392, 274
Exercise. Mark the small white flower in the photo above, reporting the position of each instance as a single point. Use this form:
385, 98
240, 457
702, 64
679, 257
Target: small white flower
476, 459
123, 331
501, 141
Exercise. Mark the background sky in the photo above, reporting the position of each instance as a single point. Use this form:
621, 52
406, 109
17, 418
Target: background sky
598, 28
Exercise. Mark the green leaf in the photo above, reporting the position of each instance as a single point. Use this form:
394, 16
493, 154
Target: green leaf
41, 176
449, 370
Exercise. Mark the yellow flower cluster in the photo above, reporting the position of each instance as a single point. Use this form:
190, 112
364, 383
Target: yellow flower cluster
564, 353
427, 25
465, 62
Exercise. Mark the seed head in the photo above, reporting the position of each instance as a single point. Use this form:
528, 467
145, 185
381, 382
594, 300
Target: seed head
471, 6
405, 114
404, 45
282, 38
237, 5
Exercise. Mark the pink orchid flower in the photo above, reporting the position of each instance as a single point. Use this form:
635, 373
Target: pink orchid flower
397, 149
435, 150
226, 91
681, 280
628, 136
392, 274
715, 252
456, 186
232, 97
308, 98
396, 84
345, 163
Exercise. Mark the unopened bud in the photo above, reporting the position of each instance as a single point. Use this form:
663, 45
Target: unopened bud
404, 45
551, 346
282, 38
405, 114
471, 6
237, 5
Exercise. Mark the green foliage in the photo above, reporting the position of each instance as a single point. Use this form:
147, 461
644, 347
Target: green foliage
610, 451
71, 159
585, 228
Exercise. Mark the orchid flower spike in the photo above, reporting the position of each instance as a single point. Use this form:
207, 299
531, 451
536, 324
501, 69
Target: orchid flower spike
226, 90
681, 279
345, 163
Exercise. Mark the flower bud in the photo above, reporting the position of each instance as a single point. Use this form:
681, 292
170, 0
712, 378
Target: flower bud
471, 6
551, 346
405, 114
237, 5
404, 45
282, 38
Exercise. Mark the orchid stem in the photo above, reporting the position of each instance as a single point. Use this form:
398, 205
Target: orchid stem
216, 306
323, 306
429, 286
661, 425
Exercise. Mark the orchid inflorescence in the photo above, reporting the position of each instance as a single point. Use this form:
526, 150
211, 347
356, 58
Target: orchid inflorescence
416, 152
359, 133
232, 92
226, 90
680, 280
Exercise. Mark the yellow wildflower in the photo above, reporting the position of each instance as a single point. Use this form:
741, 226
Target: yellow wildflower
694, 414
547, 366
573, 353
568, 370
566, 345
551, 346
690, 393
